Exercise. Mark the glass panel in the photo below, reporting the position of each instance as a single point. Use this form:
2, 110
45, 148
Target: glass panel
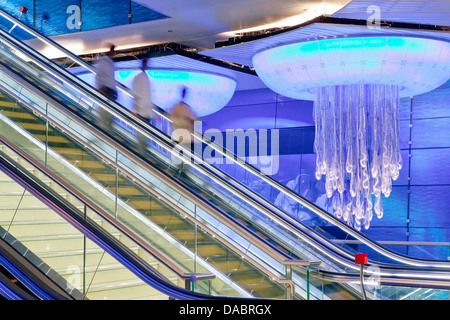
210, 189
123, 199
53, 243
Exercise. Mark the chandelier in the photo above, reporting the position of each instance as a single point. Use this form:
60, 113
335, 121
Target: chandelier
357, 147
356, 84
209, 92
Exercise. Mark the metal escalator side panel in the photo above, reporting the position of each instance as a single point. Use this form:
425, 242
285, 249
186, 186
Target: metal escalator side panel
134, 264
57, 144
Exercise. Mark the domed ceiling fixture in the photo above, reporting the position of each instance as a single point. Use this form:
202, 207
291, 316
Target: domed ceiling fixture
208, 92
356, 85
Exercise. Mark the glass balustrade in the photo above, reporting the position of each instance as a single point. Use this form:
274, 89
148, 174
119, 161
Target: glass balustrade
92, 168
63, 253
132, 164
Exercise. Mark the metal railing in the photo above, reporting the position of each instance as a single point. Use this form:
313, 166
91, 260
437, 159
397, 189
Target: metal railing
275, 255
186, 277
253, 198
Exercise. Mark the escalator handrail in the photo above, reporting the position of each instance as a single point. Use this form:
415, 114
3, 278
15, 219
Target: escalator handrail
215, 212
96, 233
324, 246
142, 127
56, 45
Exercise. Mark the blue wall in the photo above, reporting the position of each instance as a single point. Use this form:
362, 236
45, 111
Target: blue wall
50, 17
418, 208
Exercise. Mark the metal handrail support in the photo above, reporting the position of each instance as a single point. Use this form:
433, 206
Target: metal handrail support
190, 279
303, 263
217, 214
151, 250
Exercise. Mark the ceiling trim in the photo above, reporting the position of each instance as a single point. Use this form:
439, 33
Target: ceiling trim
241, 50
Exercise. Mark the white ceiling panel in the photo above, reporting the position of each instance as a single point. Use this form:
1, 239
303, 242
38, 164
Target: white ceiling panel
435, 12
243, 53
244, 81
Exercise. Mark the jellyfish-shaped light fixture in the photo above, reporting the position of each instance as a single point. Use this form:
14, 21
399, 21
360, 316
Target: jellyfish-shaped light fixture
356, 84
207, 92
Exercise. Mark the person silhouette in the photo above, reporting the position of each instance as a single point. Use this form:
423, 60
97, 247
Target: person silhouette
143, 106
183, 119
106, 84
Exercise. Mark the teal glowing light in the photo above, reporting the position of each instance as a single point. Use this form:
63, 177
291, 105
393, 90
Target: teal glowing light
416, 65
208, 93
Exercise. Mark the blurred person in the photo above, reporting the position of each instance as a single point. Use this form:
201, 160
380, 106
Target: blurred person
106, 84
302, 186
143, 106
183, 119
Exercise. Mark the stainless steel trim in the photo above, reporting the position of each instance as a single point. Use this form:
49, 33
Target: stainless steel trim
184, 213
286, 191
54, 44
207, 207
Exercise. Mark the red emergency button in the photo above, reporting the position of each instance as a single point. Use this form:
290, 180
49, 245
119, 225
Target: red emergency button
361, 258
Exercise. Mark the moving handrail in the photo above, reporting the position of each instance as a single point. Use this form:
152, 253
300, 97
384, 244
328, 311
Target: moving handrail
144, 129
274, 254
101, 237
74, 119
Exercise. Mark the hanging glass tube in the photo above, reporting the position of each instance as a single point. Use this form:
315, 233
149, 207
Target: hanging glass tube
357, 147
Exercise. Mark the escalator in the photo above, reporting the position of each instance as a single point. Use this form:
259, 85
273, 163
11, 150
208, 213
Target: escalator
64, 249
162, 217
274, 228
236, 269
